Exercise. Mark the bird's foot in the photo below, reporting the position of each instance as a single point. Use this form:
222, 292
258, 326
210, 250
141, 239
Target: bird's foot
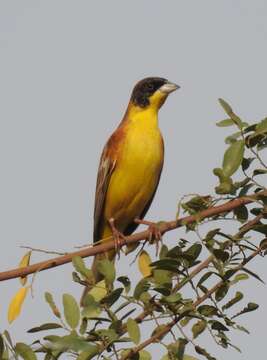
155, 235
119, 238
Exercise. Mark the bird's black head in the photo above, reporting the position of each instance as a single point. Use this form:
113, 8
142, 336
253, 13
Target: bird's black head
145, 88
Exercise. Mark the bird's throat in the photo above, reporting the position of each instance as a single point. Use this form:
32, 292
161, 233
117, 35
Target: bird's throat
147, 117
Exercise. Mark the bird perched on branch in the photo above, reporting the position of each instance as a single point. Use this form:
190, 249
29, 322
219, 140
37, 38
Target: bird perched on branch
130, 166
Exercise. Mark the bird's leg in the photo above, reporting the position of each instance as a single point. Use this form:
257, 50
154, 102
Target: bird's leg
119, 238
154, 232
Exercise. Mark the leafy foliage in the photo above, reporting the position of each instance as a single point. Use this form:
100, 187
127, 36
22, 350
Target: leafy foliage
111, 322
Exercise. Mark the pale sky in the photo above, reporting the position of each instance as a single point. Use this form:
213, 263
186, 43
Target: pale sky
67, 69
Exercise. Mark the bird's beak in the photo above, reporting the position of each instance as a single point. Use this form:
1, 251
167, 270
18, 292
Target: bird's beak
168, 88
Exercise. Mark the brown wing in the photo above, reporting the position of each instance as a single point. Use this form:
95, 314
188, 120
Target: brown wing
106, 167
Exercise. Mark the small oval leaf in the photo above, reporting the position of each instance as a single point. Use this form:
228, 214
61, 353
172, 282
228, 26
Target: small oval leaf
43, 327
16, 304
49, 299
80, 267
71, 310
133, 330
144, 261
198, 328
233, 157
99, 291
25, 261
25, 351
225, 122
107, 269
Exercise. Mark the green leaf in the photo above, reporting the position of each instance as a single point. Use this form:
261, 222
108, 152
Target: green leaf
133, 330
125, 282
2, 346
185, 321
204, 278
225, 122
25, 351
227, 108
76, 278
221, 291
88, 354
98, 291
203, 352
109, 335
242, 328
232, 138
52, 338
181, 348
198, 328
238, 296
233, 157
169, 262
239, 277
262, 228
83, 326
221, 255
176, 350
259, 172
246, 163
244, 190
196, 204
73, 342
48, 326
207, 310
226, 183
194, 251
8, 338
112, 297
163, 252
144, 355
256, 276
91, 307
80, 267
141, 287
217, 325
250, 307
107, 269
164, 289
261, 127
173, 298
49, 299
161, 277
71, 310
241, 213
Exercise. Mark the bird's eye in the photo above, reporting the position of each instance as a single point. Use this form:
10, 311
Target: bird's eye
150, 86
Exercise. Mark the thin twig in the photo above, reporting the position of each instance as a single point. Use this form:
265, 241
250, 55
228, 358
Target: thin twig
49, 252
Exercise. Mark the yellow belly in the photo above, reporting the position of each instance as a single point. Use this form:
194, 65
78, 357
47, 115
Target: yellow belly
135, 177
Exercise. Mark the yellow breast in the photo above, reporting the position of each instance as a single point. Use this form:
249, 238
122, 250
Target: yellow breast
137, 170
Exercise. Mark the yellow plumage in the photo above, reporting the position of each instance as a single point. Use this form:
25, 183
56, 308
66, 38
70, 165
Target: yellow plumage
130, 165
133, 182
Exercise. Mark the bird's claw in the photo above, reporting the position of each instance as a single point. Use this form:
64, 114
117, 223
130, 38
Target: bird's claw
155, 235
119, 238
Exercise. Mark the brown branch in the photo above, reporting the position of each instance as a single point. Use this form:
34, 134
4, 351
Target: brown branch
109, 244
200, 300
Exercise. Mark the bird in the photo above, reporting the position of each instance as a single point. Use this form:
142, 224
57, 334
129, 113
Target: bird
130, 166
